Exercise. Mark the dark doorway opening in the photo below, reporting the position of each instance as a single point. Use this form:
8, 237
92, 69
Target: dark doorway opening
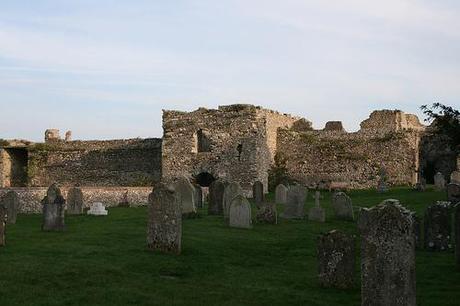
204, 179
16, 167
428, 172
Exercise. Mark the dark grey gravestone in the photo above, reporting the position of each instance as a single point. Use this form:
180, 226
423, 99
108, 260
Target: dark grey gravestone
258, 192
198, 196
164, 232
387, 255
342, 206
216, 198
294, 208
267, 214
186, 192
281, 194
453, 193
11, 202
438, 228
75, 201
53, 210
439, 181
336, 260
231, 191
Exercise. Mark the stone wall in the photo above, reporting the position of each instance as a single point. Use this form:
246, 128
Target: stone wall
391, 120
30, 198
133, 162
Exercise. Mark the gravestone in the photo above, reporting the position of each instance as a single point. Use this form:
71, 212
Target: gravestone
281, 194
439, 181
387, 255
453, 193
3, 216
97, 209
53, 210
230, 192
336, 260
417, 231
74, 201
258, 192
457, 233
198, 196
342, 206
124, 201
438, 228
240, 213
164, 232
382, 184
186, 191
421, 185
455, 177
294, 208
216, 198
11, 202
267, 214
317, 213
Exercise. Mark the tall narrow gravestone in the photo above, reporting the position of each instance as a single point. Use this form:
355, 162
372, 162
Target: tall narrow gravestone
186, 191
439, 181
240, 213
336, 260
164, 232
453, 193
198, 196
11, 202
294, 208
281, 194
258, 192
317, 213
342, 206
3, 212
437, 225
387, 255
53, 210
230, 192
216, 198
74, 201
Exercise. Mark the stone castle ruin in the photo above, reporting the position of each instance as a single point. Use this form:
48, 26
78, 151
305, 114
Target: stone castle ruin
235, 143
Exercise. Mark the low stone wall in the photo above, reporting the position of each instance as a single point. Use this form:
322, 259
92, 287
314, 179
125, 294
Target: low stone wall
30, 198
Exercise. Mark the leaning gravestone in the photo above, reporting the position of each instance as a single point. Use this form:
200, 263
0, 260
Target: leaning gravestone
336, 259
198, 196
11, 202
317, 213
455, 177
186, 192
387, 255
342, 206
453, 193
3, 212
439, 181
457, 233
216, 198
164, 232
437, 225
281, 194
75, 201
294, 208
258, 192
267, 213
231, 191
53, 210
240, 213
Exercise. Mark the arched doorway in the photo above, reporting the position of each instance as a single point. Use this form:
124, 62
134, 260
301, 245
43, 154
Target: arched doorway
204, 179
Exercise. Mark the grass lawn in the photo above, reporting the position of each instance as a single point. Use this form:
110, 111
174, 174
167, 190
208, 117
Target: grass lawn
104, 261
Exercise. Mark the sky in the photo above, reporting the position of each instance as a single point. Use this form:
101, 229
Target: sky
105, 69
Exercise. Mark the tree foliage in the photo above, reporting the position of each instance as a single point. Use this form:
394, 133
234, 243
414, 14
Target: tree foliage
446, 122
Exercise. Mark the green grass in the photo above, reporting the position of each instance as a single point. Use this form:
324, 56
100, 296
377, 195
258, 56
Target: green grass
104, 261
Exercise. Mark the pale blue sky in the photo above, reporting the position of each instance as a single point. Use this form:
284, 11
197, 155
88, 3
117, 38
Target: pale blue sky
105, 69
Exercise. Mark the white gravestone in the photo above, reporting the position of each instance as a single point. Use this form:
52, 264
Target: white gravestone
97, 209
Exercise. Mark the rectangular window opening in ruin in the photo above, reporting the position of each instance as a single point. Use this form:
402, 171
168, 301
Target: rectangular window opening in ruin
15, 162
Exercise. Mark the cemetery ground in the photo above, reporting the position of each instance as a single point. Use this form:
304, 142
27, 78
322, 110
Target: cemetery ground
104, 261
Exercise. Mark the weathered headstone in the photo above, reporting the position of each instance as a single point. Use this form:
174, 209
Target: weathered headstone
438, 228
342, 206
198, 196
216, 198
258, 192
231, 191
186, 191
124, 201
3, 212
97, 209
453, 193
387, 255
164, 232
439, 181
267, 213
457, 233
294, 208
240, 213
281, 194
11, 202
421, 185
336, 260
455, 177
74, 201
317, 213
382, 184
53, 210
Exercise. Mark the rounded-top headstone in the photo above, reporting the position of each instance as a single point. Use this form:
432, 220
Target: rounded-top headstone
230, 192
240, 213
342, 206
281, 194
187, 195
75, 201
